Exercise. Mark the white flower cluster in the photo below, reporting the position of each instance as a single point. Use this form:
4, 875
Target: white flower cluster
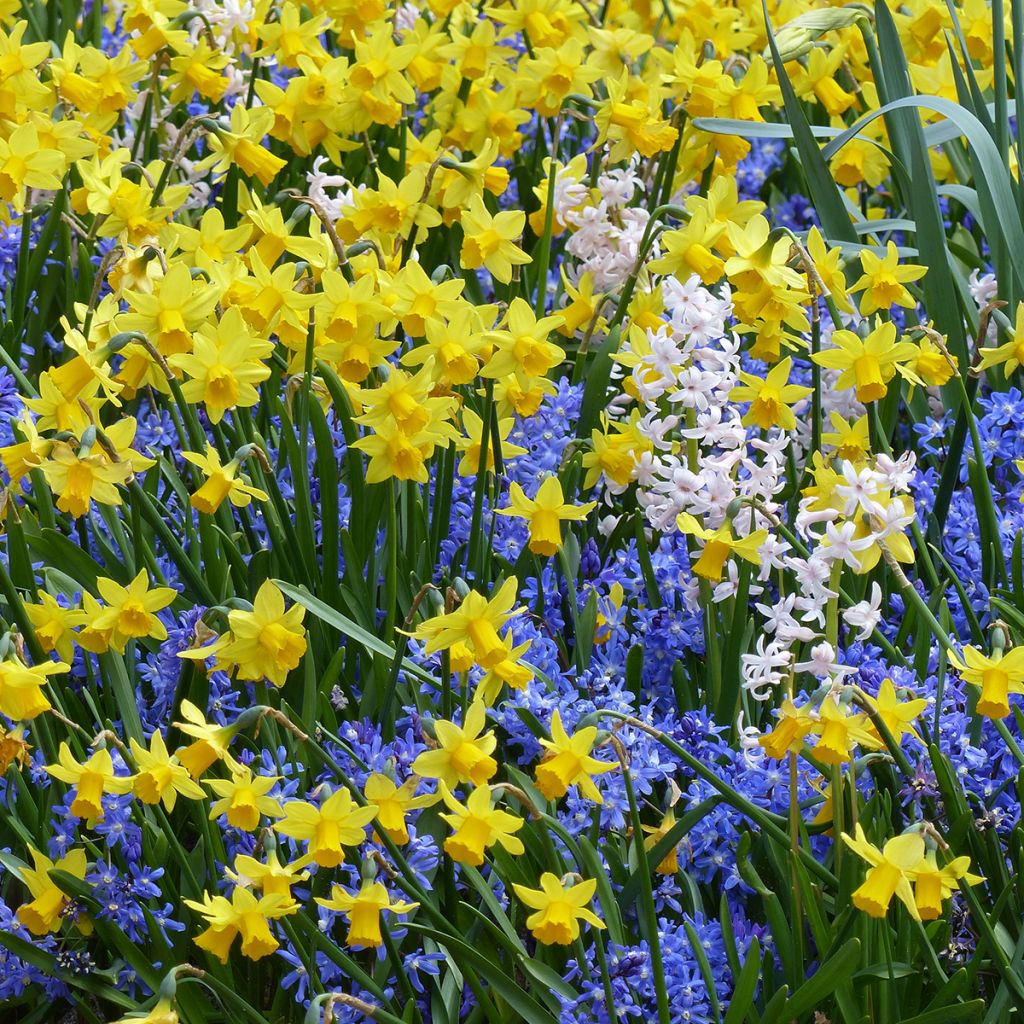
606, 238
693, 454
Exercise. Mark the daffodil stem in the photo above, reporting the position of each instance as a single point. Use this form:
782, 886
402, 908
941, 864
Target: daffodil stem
909, 593
988, 511
648, 911
474, 556
838, 816
544, 245
763, 819
391, 567
832, 612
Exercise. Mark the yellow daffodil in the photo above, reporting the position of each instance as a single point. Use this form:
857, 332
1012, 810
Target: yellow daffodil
558, 908
245, 916
770, 398
463, 753
719, 545
892, 870
265, 643
567, 762
897, 715
787, 736
336, 823
545, 513
363, 910
91, 780
933, 885
998, 676
161, 777
244, 800
394, 802
130, 612
491, 241
867, 364
478, 824
43, 914
1010, 354
883, 282
475, 623
222, 482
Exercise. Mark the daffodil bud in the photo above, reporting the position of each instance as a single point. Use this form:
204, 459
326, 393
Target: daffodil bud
999, 637
169, 986
798, 37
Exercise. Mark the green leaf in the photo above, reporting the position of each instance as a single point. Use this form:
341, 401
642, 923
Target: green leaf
348, 627
816, 992
955, 1014
823, 190
501, 984
742, 999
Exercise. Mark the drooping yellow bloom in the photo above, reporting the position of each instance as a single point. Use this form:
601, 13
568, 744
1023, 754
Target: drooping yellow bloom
893, 868
271, 877
243, 799
491, 241
13, 749
475, 623
21, 686
632, 124
471, 444
558, 908
934, 885
338, 822
828, 265
167, 316
91, 780
243, 915
545, 513
463, 753
79, 478
478, 824
789, 731
852, 441
669, 864
932, 364
161, 777
770, 398
511, 671
43, 914
266, 643
884, 280
1010, 354
131, 611
394, 803
162, 1013
25, 163
243, 144
523, 345
719, 545
897, 715
54, 624
568, 762
688, 250
210, 741
363, 910
224, 365
998, 676
868, 364
221, 482
839, 731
